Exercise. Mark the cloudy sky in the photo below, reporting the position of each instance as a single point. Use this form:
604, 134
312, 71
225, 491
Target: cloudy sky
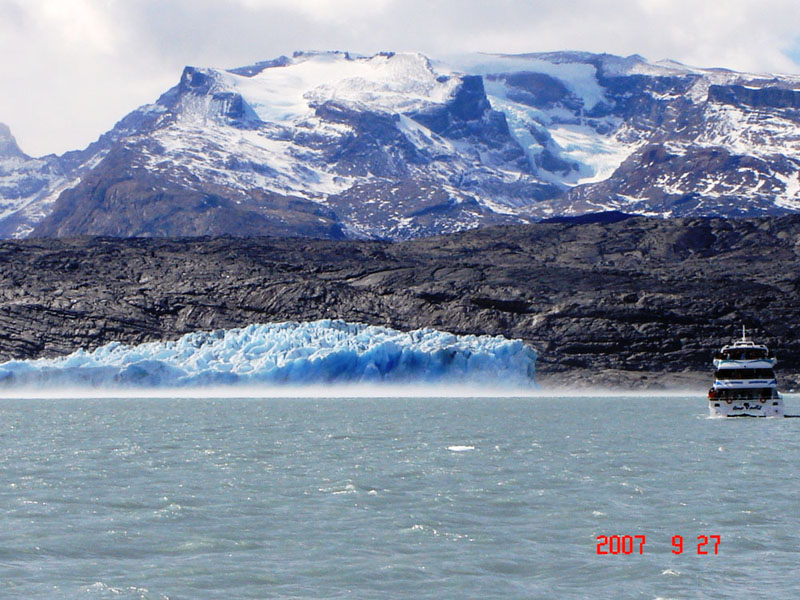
71, 68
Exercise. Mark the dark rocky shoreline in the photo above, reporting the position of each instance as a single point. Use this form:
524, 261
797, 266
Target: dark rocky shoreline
639, 303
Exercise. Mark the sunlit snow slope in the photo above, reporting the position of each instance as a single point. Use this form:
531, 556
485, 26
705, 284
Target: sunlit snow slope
289, 353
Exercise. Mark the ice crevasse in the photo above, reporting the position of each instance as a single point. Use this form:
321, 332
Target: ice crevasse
290, 353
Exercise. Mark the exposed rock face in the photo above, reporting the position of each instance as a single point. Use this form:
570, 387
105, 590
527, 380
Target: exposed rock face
118, 201
766, 97
616, 303
398, 146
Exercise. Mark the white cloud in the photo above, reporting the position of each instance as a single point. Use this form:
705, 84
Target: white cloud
322, 10
79, 65
79, 23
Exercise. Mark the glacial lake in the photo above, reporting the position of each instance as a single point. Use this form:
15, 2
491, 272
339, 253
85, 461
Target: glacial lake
396, 498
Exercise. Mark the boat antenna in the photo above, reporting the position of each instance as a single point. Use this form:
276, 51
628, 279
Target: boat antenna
744, 337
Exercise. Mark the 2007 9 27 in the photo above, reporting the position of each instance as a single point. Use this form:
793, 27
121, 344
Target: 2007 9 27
629, 544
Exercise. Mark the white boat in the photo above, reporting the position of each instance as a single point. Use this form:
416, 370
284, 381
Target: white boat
744, 381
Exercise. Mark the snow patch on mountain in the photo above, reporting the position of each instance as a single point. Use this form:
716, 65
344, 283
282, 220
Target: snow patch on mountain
790, 198
579, 77
245, 159
598, 156
396, 83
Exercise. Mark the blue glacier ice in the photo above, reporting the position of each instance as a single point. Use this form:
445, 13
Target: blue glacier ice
319, 352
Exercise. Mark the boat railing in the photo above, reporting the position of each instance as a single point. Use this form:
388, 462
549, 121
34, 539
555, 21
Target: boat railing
735, 395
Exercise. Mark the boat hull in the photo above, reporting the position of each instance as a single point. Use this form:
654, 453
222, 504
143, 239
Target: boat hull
771, 407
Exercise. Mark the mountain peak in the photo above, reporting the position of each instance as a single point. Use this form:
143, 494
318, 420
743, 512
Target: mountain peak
8, 145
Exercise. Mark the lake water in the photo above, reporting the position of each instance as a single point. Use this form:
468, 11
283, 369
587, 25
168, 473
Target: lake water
394, 498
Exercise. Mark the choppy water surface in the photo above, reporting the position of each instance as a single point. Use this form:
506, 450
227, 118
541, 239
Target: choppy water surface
402, 498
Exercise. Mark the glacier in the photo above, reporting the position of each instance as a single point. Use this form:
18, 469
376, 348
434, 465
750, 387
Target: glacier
287, 354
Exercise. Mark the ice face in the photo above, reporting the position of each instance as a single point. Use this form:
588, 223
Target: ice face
290, 353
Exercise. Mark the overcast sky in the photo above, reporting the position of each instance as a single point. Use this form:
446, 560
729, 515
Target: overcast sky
71, 68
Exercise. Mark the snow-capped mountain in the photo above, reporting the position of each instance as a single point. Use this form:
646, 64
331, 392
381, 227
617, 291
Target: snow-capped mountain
29, 187
399, 146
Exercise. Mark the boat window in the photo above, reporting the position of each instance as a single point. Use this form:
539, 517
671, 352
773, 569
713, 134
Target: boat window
744, 354
744, 374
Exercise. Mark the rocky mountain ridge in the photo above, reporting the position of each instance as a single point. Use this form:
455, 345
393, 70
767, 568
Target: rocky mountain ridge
399, 145
631, 302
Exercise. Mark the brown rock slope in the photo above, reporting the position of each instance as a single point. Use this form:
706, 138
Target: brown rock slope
639, 302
